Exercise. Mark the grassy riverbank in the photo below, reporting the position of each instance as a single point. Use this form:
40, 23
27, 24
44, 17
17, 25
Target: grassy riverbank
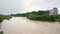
49, 18
2, 17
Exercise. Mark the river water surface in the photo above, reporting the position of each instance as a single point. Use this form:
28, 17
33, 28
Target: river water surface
22, 25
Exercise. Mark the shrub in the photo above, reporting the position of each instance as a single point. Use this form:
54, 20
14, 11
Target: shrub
1, 32
44, 17
2, 17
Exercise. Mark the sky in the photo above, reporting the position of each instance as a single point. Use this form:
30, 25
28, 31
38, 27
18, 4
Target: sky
22, 6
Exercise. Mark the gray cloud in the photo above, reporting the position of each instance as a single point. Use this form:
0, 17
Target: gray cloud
11, 6
18, 6
46, 3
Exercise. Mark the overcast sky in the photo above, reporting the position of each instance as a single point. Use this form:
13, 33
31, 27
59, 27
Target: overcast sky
18, 6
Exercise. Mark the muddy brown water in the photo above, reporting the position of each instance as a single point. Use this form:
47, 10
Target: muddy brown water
22, 25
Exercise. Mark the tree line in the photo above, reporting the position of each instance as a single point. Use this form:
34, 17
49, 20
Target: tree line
39, 15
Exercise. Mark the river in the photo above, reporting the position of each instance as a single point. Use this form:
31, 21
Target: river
22, 25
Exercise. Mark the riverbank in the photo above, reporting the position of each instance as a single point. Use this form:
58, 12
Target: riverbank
3, 17
40, 16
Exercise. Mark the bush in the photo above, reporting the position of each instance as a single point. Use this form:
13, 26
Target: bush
2, 17
32, 17
44, 17
1, 32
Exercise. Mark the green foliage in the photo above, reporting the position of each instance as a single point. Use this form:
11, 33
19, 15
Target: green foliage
39, 15
33, 17
2, 17
26, 14
42, 12
1, 32
43, 16
18, 15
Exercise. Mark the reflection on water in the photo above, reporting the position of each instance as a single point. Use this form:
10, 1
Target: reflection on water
21, 25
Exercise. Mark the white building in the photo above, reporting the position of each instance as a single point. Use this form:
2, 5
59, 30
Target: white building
53, 11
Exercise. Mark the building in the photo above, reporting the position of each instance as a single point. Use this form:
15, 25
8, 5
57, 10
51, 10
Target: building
53, 11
